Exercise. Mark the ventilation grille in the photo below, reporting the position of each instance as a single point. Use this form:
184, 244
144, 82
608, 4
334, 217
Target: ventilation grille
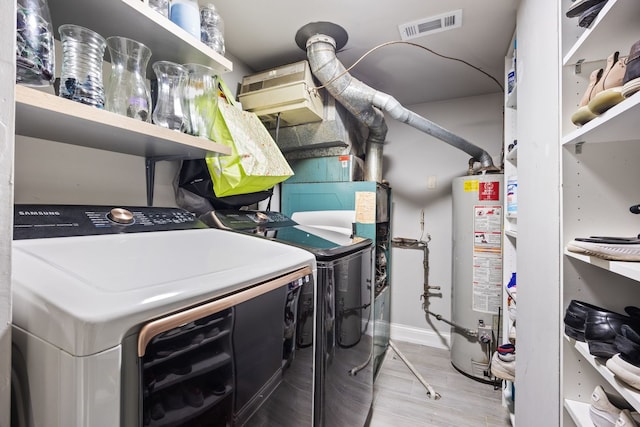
433, 24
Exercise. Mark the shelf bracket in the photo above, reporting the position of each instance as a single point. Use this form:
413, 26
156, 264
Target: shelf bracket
150, 170
578, 149
577, 69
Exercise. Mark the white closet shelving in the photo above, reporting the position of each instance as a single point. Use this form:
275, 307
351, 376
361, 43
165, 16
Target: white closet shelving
42, 115
599, 184
510, 216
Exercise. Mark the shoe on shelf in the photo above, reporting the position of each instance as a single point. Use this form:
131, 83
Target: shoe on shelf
588, 16
627, 419
580, 6
631, 81
602, 331
584, 115
506, 352
602, 411
625, 371
609, 248
576, 315
502, 369
608, 91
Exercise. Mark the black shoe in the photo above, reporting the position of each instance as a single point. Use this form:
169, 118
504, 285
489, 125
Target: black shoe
580, 6
601, 331
576, 316
589, 15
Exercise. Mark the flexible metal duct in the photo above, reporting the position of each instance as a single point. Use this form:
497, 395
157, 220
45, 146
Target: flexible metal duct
367, 104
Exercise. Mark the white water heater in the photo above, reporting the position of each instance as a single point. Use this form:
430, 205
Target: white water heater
477, 272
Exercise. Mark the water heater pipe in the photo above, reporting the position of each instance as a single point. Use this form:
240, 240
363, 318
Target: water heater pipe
320, 39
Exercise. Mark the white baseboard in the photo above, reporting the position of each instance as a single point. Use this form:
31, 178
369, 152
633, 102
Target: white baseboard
426, 337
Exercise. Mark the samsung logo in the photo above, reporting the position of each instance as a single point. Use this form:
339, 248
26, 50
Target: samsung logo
38, 213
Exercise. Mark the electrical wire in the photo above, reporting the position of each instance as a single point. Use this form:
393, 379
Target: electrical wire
414, 45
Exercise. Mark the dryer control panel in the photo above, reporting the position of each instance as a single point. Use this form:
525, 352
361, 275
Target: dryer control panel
34, 221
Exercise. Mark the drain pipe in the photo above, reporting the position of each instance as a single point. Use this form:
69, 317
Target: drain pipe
321, 40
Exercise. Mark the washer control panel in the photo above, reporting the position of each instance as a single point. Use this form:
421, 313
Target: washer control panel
42, 221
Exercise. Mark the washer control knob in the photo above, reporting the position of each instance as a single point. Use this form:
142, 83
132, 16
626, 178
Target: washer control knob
121, 216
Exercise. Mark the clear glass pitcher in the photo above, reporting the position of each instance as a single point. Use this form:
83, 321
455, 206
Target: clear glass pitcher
201, 94
127, 92
35, 59
81, 71
170, 110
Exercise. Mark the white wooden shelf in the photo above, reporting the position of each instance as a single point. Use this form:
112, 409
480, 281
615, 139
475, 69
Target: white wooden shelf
630, 395
615, 29
136, 20
623, 268
579, 412
46, 116
511, 233
620, 123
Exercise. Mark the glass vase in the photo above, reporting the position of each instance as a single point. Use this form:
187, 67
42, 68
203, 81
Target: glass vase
201, 95
170, 110
81, 71
127, 92
35, 58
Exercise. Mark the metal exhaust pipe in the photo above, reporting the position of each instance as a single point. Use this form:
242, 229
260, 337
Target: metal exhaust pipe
321, 40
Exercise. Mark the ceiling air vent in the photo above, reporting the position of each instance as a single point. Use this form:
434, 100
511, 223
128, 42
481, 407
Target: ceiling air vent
433, 24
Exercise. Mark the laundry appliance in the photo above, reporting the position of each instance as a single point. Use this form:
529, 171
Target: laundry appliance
344, 323
143, 316
318, 202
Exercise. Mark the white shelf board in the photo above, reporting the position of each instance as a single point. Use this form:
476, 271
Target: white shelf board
623, 268
579, 412
615, 29
630, 395
136, 20
511, 233
46, 116
620, 123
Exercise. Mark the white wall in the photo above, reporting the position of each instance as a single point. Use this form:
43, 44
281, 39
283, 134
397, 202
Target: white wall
410, 157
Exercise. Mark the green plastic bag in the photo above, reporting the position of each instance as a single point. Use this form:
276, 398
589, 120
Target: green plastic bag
256, 162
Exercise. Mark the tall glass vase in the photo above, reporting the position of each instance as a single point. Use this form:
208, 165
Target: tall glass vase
127, 92
170, 110
201, 94
35, 59
81, 71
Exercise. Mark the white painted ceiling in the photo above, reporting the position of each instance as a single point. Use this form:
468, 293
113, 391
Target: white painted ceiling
261, 34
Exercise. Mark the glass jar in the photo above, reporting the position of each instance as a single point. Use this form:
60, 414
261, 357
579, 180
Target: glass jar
186, 14
170, 110
212, 28
35, 58
127, 92
81, 71
201, 95
160, 6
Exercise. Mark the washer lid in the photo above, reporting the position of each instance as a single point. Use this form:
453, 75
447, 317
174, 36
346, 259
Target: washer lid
84, 294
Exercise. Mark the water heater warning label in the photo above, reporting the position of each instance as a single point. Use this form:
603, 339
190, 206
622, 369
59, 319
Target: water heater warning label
489, 190
487, 258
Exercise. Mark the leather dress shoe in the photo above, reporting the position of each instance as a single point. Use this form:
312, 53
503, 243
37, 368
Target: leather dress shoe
577, 312
580, 6
575, 318
601, 331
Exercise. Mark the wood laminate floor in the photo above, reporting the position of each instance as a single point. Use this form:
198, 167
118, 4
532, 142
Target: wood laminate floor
400, 400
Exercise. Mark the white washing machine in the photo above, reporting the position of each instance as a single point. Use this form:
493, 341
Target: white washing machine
143, 317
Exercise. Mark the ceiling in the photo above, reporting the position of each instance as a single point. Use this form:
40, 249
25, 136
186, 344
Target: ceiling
261, 34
